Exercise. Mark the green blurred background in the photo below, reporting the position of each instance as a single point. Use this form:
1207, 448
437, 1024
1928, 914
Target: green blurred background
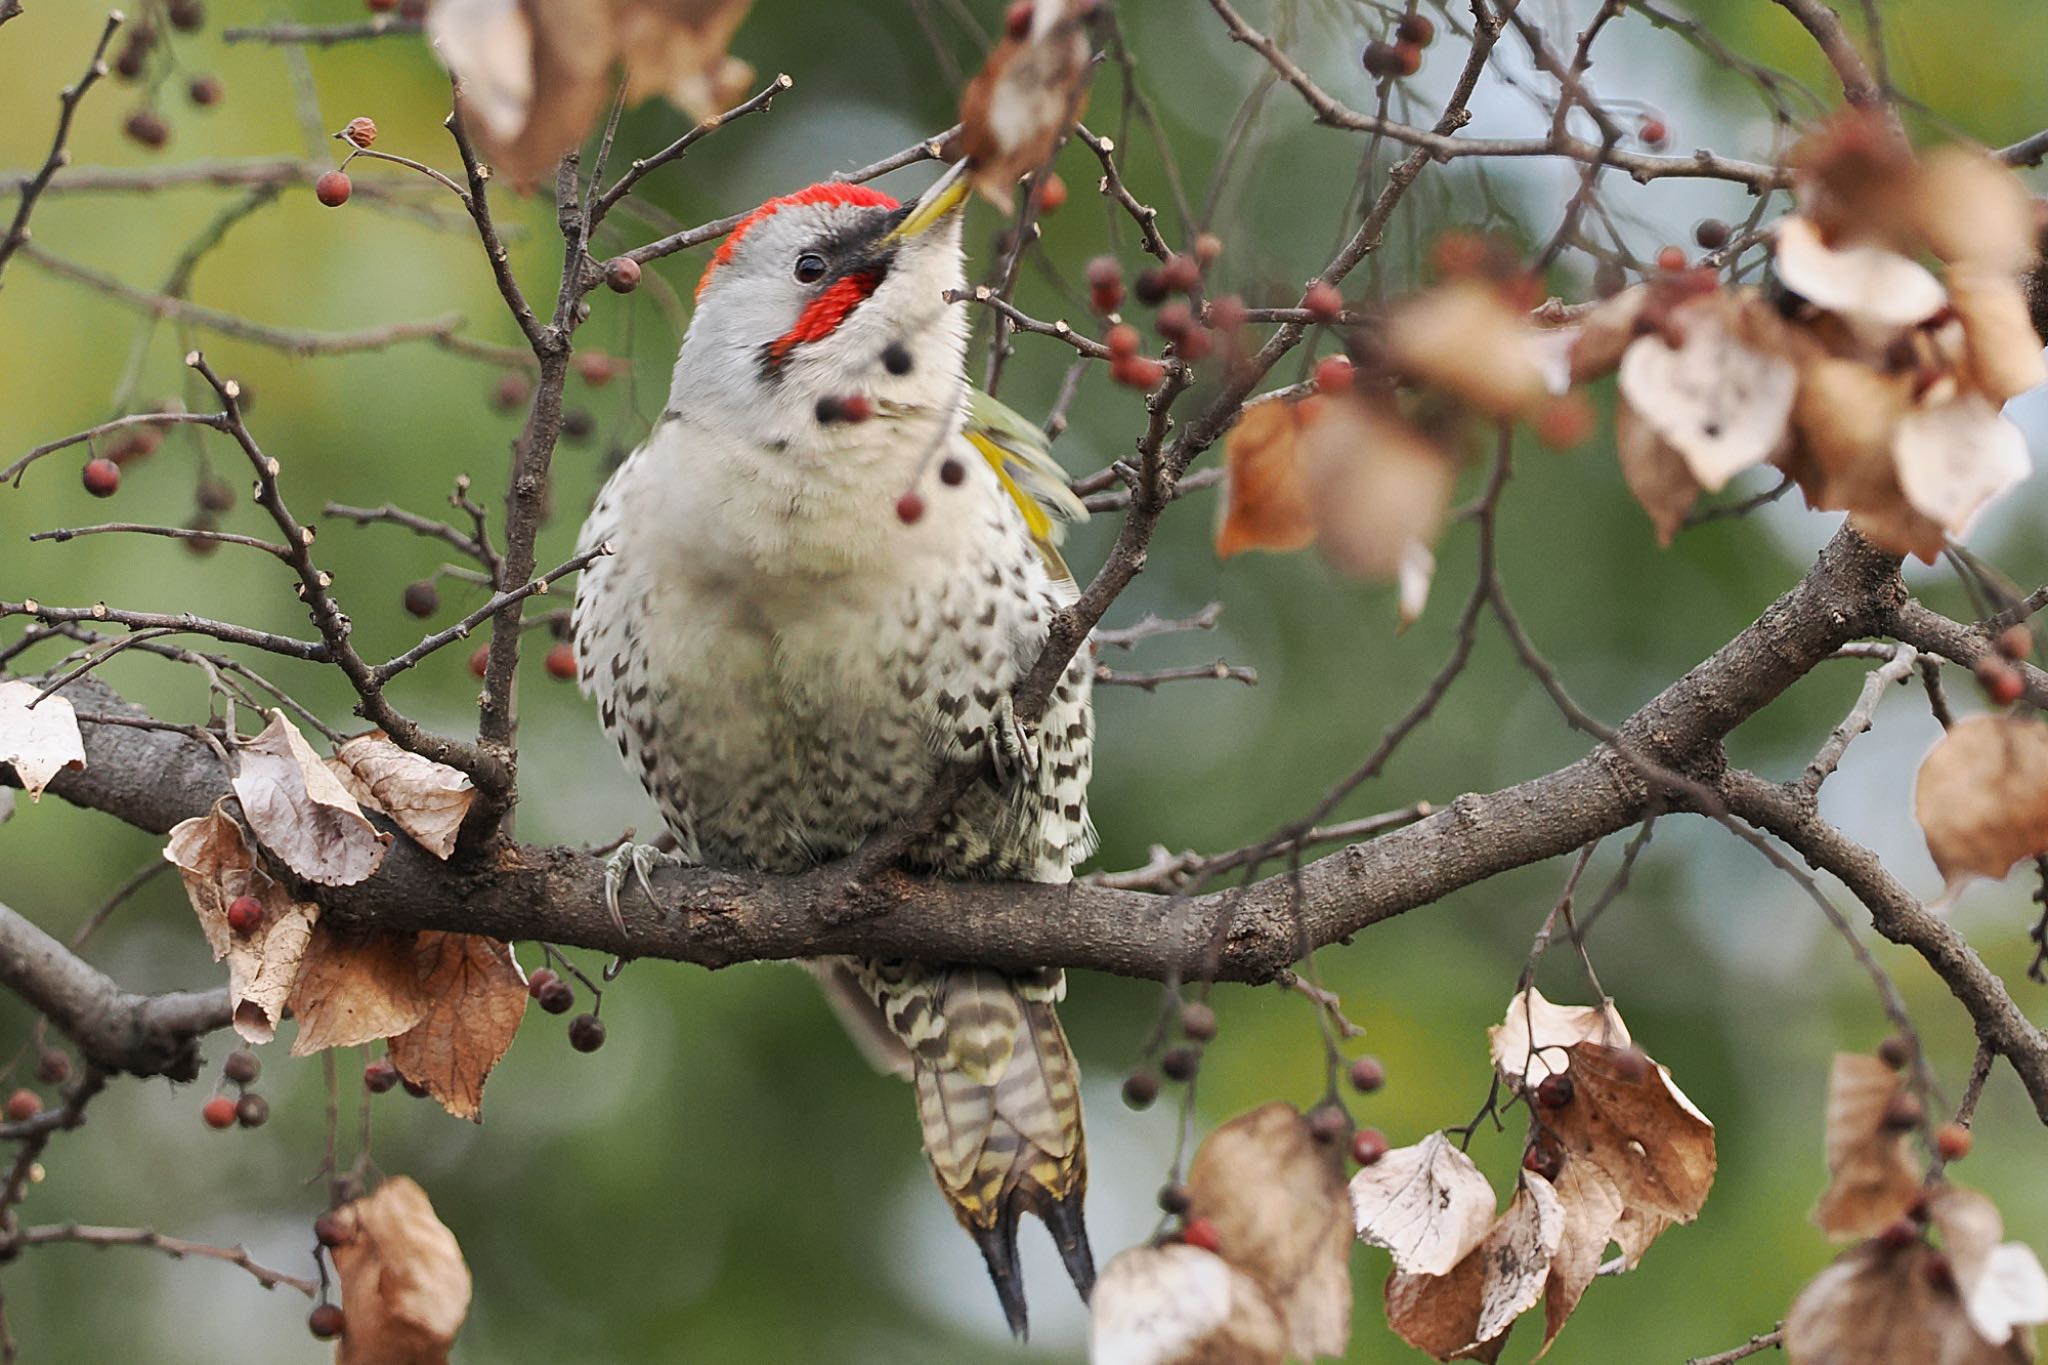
725, 1181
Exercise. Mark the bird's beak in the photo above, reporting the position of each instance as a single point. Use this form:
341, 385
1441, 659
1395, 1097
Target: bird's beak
944, 199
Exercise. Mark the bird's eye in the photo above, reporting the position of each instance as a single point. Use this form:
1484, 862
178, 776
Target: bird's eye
810, 268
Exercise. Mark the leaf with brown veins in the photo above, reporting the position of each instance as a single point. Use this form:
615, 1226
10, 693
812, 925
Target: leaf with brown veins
300, 812
1876, 1305
1655, 473
1716, 382
1466, 339
1532, 1043
354, 988
1592, 1210
217, 865
404, 1286
1466, 1313
427, 800
477, 995
37, 742
1626, 1117
1181, 1305
1427, 1204
1265, 502
1023, 100
1981, 797
1872, 1179
1377, 487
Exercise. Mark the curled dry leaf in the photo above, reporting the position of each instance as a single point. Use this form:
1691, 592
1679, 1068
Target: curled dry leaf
1981, 796
1974, 211
1377, 488
1627, 1118
1655, 472
404, 1286
1180, 1305
37, 742
427, 800
1877, 1305
217, 865
354, 988
1847, 417
1955, 458
1265, 500
2004, 352
1606, 332
1466, 1313
299, 810
1865, 283
1467, 340
1872, 1178
476, 996
1276, 1197
1533, 1042
535, 74
1723, 395
1023, 100
1593, 1210
1427, 1204
2001, 1284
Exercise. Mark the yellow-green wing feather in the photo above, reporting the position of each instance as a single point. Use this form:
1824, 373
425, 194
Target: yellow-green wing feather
1018, 452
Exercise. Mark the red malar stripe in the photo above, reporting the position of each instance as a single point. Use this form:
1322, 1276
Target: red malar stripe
823, 314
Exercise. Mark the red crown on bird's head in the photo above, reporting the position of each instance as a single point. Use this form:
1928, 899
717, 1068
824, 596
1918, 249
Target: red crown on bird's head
830, 192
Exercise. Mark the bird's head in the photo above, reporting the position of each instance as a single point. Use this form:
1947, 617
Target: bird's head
833, 291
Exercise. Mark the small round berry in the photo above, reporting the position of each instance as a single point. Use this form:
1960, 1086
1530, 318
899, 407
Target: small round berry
332, 189
596, 368
1544, 1159
218, 1112
205, 91
242, 1066
2015, 643
1565, 420
910, 507
480, 661
1334, 374
1053, 194
1181, 1063
252, 1111
1150, 288
380, 6
1416, 29
1898, 1234
102, 477
1206, 248
413, 1087
1457, 254
557, 997
510, 391
245, 915
896, 358
1196, 343
422, 598
1198, 1021
23, 1105
413, 10
586, 1033
1903, 1111
1201, 1232
1367, 1075
1711, 233
1895, 1051
330, 1231
1141, 1087
2002, 682
1105, 284
128, 65
1176, 1199
53, 1067
1555, 1091
186, 16
561, 662
361, 131
1181, 273
578, 425
1323, 302
1609, 279
326, 1322
1381, 61
1671, 260
1017, 20
379, 1076
147, 126
1174, 320
1407, 59
1953, 1141
215, 495
1653, 133
852, 407
1329, 1123
1225, 314
952, 473
1122, 341
1368, 1145
539, 981
1137, 372
622, 274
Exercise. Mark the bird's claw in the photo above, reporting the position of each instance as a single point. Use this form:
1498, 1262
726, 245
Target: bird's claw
638, 860
1013, 746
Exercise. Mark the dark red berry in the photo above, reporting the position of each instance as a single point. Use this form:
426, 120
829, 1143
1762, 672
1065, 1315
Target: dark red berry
910, 507
1181, 273
1122, 341
245, 915
1140, 1089
511, 390
622, 274
1416, 29
1895, 1052
1544, 1159
23, 1105
186, 16
1105, 284
1175, 1199
422, 598
557, 997
242, 1066
1329, 1123
53, 1067
205, 91
1174, 320
1198, 1021
102, 477
332, 189
1904, 1111
1194, 344
1181, 1063
1407, 59
1322, 301
1201, 1232
1137, 372
1555, 1091
1711, 233
129, 63
1653, 133
326, 1322
1225, 314
2015, 643
596, 368
1150, 288
1334, 374
480, 661
218, 1112
1017, 20
2002, 682
1052, 194
413, 1087
330, 1231
952, 472
379, 1076
586, 1033
1368, 1145
252, 1111
561, 662
215, 495
360, 131
1367, 1075
1381, 61
1953, 1141
1631, 1064
538, 981
1609, 279
1898, 1234
147, 127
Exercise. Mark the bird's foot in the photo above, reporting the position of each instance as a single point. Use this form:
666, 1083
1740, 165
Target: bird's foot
1012, 745
636, 860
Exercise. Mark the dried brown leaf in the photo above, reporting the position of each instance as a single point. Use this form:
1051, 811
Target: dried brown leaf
1466, 1314
1974, 211
1024, 99
1377, 488
1605, 333
1277, 1199
299, 810
1957, 457
1867, 283
1872, 1179
1592, 1210
427, 800
677, 48
217, 865
2001, 1284
477, 996
2004, 351
1533, 1041
37, 742
1655, 472
1627, 1118
1427, 1204
1469, 341
1181, 1305
1982, 796
1847, 417
404, 1286
1722, 397
1265, 499
1879, 1306
354, 988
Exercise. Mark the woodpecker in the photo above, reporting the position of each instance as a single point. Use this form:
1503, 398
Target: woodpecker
831, 561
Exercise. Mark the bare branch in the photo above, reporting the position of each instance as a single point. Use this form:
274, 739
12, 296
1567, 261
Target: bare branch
17, 231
